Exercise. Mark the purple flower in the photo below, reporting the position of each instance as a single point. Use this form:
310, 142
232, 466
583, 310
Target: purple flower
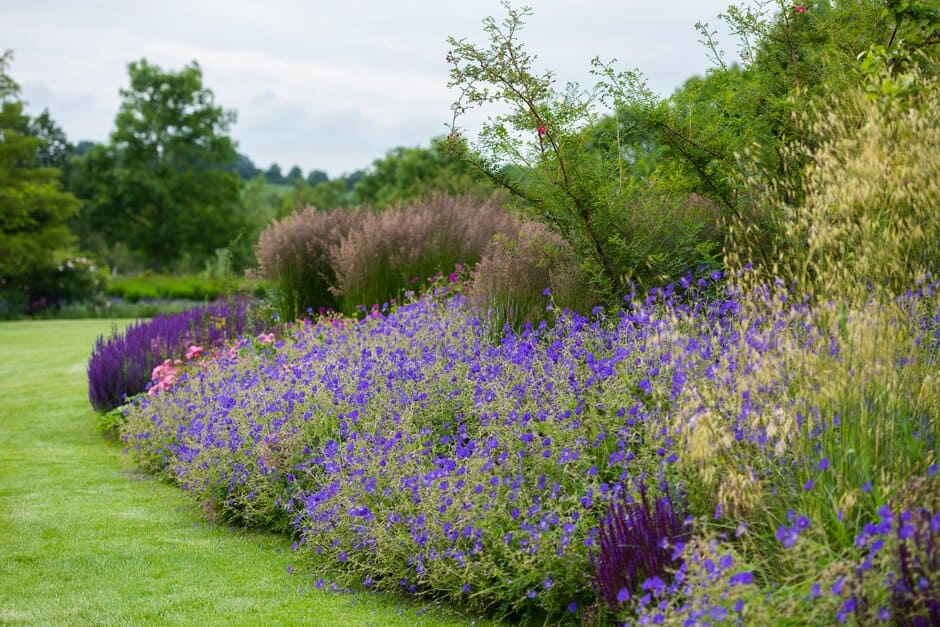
824, 463
742, 578
837, 586
655, 585
814, 591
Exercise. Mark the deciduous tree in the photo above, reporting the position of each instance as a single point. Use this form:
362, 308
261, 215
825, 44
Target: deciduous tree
164, 185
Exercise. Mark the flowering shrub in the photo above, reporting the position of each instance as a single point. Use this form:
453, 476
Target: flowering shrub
122, 365
414, 451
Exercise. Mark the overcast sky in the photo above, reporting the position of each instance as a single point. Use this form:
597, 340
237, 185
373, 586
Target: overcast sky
324, 85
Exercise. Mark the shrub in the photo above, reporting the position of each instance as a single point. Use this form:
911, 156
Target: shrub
610, 188
510, 280
121, 365
148, 286
41, 290
295, 254
390, 251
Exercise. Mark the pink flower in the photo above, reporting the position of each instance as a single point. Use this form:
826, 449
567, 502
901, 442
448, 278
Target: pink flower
800, 8
542, 130
194, 351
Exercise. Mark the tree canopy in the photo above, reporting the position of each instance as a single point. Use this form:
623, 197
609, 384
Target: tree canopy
164, 185
34, 210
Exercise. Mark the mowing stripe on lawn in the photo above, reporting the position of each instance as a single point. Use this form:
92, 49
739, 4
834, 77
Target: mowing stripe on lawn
86, 538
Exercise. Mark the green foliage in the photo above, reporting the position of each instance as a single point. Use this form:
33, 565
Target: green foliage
295, 174
317, 176
55, 149
245, 167
546, 153
164, 185
408, 174
274, 175
34, 211
151, 286
323, 195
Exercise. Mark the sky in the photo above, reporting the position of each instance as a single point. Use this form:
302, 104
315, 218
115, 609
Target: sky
324, 85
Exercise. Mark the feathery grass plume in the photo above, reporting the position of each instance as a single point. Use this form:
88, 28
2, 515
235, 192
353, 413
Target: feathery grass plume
861, 217
295, 255
515, 271
394, 250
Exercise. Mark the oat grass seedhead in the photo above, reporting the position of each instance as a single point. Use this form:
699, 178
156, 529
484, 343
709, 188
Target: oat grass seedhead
862, 217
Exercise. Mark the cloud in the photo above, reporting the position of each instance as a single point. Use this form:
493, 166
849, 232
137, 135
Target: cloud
324, 85
345, 139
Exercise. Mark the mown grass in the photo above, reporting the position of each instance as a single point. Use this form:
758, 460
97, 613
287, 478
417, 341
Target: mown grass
86, 538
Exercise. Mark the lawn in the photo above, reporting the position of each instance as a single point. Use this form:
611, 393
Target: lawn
86, 538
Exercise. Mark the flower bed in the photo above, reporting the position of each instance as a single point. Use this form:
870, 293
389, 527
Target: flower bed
752, 448
121, 366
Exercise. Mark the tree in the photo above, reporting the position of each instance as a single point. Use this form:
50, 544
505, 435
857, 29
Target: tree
274, 175
323, 195
317, 176
245, 167
33, 208
164, 185
82, 147
413, 173
54, 149
295, 174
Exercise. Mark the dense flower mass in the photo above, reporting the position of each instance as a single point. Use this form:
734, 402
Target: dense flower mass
414, 451
122, 365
